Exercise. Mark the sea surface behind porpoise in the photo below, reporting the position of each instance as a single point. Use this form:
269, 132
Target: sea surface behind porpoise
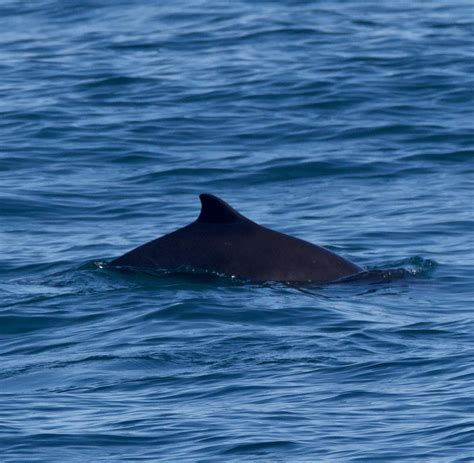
345, 123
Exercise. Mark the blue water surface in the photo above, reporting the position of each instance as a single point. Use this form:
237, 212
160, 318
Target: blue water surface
345, 123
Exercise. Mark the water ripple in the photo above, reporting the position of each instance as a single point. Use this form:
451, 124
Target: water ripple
349, 125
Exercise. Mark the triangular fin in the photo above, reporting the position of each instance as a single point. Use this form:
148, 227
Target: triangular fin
215, 210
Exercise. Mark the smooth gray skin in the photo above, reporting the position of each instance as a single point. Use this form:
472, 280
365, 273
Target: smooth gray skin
223, 241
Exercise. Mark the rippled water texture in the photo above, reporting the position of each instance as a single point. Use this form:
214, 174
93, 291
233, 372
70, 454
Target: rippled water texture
348, 124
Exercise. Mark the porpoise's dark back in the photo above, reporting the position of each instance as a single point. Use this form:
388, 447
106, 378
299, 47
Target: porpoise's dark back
223, 241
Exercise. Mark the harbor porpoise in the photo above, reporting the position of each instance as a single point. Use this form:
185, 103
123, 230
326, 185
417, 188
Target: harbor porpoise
225, 242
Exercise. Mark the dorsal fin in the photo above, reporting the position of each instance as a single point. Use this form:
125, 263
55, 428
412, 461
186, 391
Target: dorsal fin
214, 210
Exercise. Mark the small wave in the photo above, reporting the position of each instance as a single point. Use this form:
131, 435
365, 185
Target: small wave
414, 266
408, 268
113, 81
259, 448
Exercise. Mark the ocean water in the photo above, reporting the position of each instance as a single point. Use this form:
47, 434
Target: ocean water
345, 123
